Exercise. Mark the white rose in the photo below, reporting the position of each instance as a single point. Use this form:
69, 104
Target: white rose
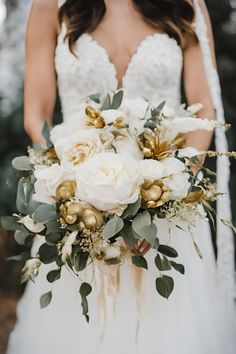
176, 179
178, 185
47, 181
70, 126
127, 145
172, 127
77, 148
108, 181
31, 225
172, 166
135, 107
151, 169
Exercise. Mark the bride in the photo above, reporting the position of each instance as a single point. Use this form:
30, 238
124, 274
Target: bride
143, 47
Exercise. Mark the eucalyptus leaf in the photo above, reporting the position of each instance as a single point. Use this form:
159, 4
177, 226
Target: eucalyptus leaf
24, 194
22, 163
54, 237
131, 210
139, 261
9, 223
113, 261
46, 134
143, 226
117, 99
85, 290
164, 286
95, 97
45, 213
168, 251
163, 264
45, 299
156, 111
112, 227
22, 257
54, 275
47, 253
141, 220
179, 267
21, 237
53, 226
128, 234
150, 124
80, 261
107, 103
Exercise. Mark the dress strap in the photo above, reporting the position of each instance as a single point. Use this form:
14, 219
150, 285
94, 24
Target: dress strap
225, 240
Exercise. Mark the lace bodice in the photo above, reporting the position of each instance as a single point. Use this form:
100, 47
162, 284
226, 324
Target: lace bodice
154, 71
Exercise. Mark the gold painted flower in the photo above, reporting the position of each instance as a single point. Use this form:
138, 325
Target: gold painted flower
154, 194
66, 190
153, 147
81, 213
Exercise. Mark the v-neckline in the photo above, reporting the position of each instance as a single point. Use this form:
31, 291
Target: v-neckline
120, 85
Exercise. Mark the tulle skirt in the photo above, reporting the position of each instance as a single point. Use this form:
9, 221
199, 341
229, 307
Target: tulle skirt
126, 313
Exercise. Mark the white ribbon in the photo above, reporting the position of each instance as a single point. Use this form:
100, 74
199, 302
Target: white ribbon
225, 237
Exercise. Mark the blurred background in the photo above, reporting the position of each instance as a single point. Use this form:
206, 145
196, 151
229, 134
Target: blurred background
13, 140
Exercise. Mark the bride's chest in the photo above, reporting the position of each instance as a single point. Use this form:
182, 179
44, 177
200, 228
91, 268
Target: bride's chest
157, 62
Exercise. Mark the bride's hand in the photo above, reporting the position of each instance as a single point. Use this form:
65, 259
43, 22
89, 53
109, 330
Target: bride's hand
143, 247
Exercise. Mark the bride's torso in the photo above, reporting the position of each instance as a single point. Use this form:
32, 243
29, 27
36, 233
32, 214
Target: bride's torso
153, 71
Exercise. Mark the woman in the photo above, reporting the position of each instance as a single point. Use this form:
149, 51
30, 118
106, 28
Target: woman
142, 47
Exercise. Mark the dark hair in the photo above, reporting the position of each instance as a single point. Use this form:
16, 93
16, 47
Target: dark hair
174, 17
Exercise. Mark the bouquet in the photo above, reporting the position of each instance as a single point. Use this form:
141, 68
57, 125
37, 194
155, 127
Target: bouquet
101, 184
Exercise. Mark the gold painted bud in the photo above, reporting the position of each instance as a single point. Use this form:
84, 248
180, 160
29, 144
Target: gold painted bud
179, 142
194, 196
154, 194
51, 155
91, 112
82, 213
66, 190
119, 123
99, 122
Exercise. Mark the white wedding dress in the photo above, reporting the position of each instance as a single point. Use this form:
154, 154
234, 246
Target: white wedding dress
127, 316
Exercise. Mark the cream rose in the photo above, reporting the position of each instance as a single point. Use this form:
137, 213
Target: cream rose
151, 169
176, 179
127, 145
77, 148
108, 181
47, 181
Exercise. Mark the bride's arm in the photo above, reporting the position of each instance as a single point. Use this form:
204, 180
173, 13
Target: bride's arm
40, 76
196, 85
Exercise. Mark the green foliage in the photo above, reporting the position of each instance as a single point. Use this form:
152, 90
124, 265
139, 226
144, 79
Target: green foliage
47, 253
54, 275
112, 227
164, 286
140, 261
80, 261
45, 299
85, 290
144, 228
